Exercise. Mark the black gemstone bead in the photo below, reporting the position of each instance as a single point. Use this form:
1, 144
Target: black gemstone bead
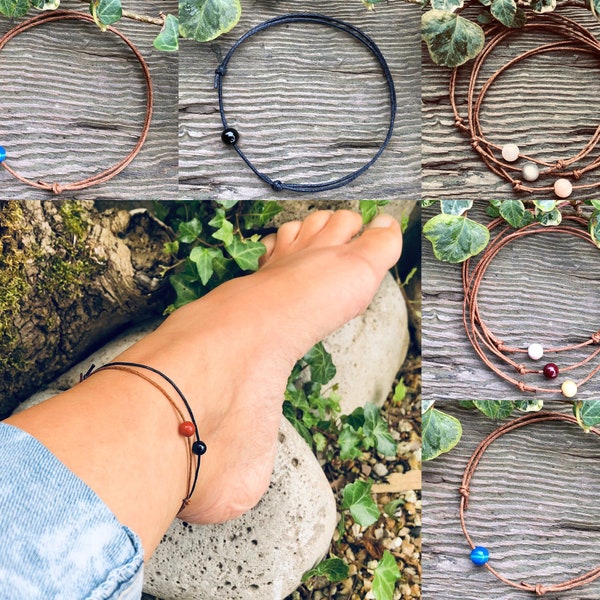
199, 448
230, 136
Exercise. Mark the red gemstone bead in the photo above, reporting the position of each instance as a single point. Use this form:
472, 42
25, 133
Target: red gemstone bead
187, 429
551, 371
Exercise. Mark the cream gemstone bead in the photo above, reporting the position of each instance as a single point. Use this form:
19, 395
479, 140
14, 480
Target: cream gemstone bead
535, 351
568, 388
530, 171
510, 152
563, 188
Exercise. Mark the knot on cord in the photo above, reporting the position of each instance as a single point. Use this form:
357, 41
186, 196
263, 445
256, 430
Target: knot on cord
577, 174
277, 185
596, 337
219, 72
540, 590
522, 369
501, 345
57, 188
560, 164
522, 387
464, 492
517, 185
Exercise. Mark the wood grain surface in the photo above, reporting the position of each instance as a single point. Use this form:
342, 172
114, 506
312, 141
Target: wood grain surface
73, 104
310, 102
546, 104
541, 288
534, 504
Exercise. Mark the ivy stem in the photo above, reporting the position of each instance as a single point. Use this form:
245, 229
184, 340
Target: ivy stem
160, 21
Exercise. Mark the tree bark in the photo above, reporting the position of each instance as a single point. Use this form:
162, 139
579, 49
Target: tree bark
71, 277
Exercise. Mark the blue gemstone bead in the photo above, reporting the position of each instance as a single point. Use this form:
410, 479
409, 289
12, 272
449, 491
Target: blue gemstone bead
480, 555
2, 153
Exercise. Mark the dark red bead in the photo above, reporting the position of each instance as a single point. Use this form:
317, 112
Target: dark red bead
550, 370
187, 429
230, 136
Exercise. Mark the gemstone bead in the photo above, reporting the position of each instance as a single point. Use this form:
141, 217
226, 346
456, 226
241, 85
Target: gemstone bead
2, 154
535, 351
510, 152
187, 429
480, 555
199, 448
230, 136
550, 371
568, 388
563, 188
530, 171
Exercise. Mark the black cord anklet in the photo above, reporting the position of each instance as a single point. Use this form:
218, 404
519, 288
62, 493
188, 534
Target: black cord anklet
231, 136
186, 428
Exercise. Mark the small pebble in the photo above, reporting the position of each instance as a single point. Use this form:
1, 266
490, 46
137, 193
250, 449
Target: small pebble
563, 188
510, 152
380, 469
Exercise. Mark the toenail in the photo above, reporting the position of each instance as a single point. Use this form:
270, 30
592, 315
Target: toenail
382, 220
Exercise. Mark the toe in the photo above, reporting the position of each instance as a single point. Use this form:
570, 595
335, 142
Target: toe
380, 244
339, 229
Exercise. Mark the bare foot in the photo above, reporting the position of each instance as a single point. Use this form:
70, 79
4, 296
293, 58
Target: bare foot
231, 352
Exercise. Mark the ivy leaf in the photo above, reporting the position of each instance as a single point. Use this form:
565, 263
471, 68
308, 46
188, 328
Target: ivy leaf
426, 405
290, 414
188, 231
588, 411
507, 12
594, 227
370, 208
205, 20
45, 5
529, 405
386, 575
187, 288
542, 6
334, 569
227, 204
594, 203
545, 205
261, 212
356, 498
495, 409
224, 227
455, 207
322, 369
554, 217
245, 253
349, 441
203, 259
447, 5
15, 8
168, 38
515, 213
454, 238
106, 12
451, 39
440, 431
377, 428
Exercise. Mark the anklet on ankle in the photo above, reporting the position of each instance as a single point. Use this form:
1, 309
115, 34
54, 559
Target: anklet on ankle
187, 429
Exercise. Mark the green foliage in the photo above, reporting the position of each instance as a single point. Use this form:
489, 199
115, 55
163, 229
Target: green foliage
587, 413
451, 39
387, 573
334, 569
357, 498
455, 237
205, 20
440, 432
106, 12
168, 38
369, 209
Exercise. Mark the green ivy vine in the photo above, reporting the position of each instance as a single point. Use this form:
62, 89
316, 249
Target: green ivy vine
455, 238
452, 39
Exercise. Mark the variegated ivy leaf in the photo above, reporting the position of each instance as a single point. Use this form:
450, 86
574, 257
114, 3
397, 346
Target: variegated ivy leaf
45, 5
507, 12
204, 20
14, 8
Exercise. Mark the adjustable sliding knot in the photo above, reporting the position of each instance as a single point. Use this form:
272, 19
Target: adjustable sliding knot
596, 337
502, 347
522, 369
560, 164
465, 493
219, 72
517, 185
277, 185
540, 590
57, 189
522, 387
577, 174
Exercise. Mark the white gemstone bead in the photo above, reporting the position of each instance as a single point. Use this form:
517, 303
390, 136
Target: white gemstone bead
563, 188
535, 351
530, 171
568, 388
510, 152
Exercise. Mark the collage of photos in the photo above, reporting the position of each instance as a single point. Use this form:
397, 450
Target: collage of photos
299, 301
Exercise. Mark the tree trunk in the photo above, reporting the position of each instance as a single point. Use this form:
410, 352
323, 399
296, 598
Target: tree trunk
70, 278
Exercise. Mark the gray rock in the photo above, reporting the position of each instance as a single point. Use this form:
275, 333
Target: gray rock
369, 350
261, 555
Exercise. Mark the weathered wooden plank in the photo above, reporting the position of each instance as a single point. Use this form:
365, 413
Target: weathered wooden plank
533, 503
546, 104
541, 288
310, 102
73, 103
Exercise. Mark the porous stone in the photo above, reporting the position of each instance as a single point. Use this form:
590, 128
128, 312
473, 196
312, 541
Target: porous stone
369, 350
261, 555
